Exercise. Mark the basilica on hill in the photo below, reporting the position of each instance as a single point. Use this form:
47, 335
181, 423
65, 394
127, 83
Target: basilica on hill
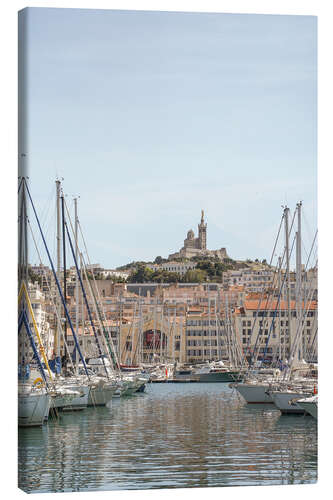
198, 246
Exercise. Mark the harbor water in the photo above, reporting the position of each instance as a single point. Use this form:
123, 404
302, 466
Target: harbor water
172, 436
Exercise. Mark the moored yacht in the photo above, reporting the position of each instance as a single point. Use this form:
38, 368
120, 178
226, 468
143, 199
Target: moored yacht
33, 405
309, 405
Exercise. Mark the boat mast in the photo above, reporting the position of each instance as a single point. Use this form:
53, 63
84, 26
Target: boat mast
161, 328
76, 284
58, 305
65, 277
286, 214
209, 331
299, 278
281, 353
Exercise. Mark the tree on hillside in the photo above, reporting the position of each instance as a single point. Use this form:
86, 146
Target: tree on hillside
142, 274
195, 276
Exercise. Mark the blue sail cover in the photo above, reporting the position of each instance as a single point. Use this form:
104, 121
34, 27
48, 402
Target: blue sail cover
23, 371
74, 354
55, 365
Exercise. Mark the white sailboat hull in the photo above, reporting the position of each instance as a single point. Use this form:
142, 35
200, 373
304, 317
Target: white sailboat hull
76, 402
100, 396
33, 409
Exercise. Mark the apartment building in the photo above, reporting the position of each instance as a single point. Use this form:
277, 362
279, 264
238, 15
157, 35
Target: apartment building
178, 267
262, 327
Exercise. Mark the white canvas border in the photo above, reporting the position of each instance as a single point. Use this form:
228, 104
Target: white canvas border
9, 246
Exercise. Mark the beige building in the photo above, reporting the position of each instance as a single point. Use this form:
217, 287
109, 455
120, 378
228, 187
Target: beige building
266, 319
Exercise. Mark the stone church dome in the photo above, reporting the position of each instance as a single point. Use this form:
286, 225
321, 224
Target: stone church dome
190, 235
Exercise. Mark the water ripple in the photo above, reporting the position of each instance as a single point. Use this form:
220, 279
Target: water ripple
175, 435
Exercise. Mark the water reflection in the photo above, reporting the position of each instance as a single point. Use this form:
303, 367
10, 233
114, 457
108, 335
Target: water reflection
175, 435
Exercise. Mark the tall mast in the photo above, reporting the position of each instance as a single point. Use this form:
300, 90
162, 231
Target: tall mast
286, 214
281, 353
76, 283
57, 336
65, 270
209, 331
299, 276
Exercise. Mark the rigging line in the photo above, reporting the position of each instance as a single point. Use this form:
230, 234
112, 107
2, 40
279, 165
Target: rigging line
256, 349
57, 282
307, 225
48, 225
301, 324
262, 293
50, 292
85, 299
20, 185
108, 343
97, 312
312, 246
98, 294
275, 273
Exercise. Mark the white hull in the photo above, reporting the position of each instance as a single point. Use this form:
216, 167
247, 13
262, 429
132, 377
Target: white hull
254, 393
282, 401
100, 396
70, 402
310, 407
33, 409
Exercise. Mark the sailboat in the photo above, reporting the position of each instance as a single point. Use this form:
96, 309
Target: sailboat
257, 383
34, 398
301, 377
297, 378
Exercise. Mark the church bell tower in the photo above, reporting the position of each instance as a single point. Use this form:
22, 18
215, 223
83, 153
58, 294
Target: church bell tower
202, 228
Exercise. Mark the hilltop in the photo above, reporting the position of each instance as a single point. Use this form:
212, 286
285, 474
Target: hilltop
196, 269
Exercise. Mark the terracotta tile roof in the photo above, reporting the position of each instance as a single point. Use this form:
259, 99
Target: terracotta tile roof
272, 304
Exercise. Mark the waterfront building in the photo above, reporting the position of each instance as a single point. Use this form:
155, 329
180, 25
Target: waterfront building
205, 334
262, 326
40, 311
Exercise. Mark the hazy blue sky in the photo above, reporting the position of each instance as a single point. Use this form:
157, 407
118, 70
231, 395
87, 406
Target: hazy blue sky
151, 117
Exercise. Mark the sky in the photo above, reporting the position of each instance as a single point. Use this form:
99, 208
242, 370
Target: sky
150, 117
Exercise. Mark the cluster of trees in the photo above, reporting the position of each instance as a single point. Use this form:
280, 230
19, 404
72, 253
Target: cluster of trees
143, 274
33, 277
205, 270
